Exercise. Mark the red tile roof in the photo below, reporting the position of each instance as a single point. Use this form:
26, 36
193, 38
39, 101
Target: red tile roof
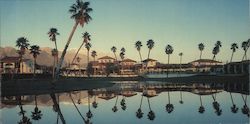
128, 60
146, 60
106, 57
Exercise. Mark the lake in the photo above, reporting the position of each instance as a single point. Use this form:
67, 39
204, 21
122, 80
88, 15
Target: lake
161, 103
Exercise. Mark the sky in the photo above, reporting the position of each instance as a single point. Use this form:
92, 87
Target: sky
181, 23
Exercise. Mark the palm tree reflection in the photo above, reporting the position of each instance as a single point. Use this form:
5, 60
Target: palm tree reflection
25, 119
216, 105
36, 114
151, 114
123, 103
89, 113
56, 107
201, 108
139, 113
169, 106
115, 109
245, 109
234, 108
95, 104
181, 101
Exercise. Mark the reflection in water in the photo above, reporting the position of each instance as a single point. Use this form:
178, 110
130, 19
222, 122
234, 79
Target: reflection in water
126, 94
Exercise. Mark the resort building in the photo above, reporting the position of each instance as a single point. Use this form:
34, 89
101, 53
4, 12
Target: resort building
241, 67
102, 63
204, 65
11, 65
127, 66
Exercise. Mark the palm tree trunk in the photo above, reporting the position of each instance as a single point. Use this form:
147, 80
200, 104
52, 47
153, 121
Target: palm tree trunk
65, 50
149, 104
116, 100
77, 52
88, 57
214, 57
53, 71
181, 95
232, 57
76, 107
168, 98
231, 98
140, 55
34, 71
149, 52
200, 54
115, 56
168, 64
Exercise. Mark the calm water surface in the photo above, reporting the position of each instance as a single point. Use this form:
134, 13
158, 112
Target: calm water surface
128, 102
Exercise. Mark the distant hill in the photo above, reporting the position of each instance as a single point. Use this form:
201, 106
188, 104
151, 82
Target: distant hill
44, 58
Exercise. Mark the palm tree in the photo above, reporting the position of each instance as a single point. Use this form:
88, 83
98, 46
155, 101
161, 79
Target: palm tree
89, 113
122, 54
86, 39
70, 96
245, 45
138, 46
169, 106
201, 108
115, 109
95, 104
169, 50
88, 46
80, 13
245, 109
93, 54
34, 50
23, 44
123, 103
234, 108
113, 49
54, 53
151, 114
139, 113
216, 105
234, 46
150, 44
201, 48
216, 49
180, 54
25, 119
52, 35
36, 114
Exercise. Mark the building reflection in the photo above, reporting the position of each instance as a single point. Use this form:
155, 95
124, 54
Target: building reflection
121, 92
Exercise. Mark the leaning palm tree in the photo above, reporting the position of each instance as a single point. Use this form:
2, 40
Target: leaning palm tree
245, 46
234, 46
54, 53
201, 48
36, 114
23, 44
113, 49
93, 54
169, 50
138, 46
150, 44
216, 49
201, 108
139, 113
86, 39
80, 13
169, 106
34, 50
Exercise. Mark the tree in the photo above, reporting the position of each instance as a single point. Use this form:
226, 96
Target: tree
138, 46
89, 113
34, 50
86, 39
54, 53
201, 48
151, 114
23, 44
93, 54
36, 114
122, 53
169, 106
25, 119
234, 46
113, 49
139, 113
115, 109
150, 44
80, 13
169, 50
245, 46
52, 35
201, 108
216, 49
234, 108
